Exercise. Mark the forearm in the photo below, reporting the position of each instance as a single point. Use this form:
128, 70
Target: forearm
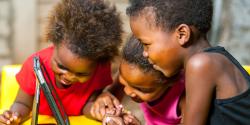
86, 110
116, 90
22, 109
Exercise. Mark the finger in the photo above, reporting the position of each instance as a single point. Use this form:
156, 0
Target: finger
3, 120
119, 110
105, 120
126, 119
16, 117
102, 110
109, 102
117, 121
92, 111
7, 114
116, 102
97, 112
110, 111
113, 120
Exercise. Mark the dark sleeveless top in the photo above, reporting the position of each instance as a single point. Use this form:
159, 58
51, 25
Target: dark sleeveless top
235, 110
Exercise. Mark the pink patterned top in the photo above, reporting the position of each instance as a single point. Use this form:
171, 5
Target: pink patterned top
164, 112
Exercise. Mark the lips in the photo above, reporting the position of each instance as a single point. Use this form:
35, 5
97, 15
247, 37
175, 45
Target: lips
136, 99
156, 67
65, 82
150, 61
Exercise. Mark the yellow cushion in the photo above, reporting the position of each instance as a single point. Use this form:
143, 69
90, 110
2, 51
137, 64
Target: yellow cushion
9, 86
74, 120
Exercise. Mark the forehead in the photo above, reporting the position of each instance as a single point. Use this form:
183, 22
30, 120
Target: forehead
133, 75
146, 17
68, 59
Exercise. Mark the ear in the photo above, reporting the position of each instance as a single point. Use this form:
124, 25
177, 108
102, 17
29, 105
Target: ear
183, 33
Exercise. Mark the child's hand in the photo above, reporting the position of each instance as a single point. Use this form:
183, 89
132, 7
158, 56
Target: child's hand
130, 119
104, 102
10, 118
126, 119
120, 117
112, 120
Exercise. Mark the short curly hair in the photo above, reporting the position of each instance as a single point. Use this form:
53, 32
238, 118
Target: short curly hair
132, 54
169, 14
90, 28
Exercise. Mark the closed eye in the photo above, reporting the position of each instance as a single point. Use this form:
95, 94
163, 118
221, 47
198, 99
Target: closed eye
62, 67
144, 90
83, 74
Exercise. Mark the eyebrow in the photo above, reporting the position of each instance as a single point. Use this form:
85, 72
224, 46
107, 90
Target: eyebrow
64, 67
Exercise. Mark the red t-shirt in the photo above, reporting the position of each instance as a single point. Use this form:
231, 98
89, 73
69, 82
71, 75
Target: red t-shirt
72, 98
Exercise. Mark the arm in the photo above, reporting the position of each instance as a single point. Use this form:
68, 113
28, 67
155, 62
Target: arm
108, 99
200, 86
20, 109
116, 88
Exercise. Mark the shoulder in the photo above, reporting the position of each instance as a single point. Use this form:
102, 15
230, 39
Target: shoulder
203, 67
202, 62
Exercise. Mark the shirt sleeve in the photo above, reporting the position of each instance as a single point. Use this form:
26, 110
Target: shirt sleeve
26, 77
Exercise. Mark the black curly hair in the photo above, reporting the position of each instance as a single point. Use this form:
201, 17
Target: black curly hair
90, 28
169, 14
132, 54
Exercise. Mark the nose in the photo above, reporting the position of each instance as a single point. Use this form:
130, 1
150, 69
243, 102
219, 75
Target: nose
129, 92
145, 54
70, 76
81, 80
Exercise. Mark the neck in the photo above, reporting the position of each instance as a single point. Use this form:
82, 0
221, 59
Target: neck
197, 46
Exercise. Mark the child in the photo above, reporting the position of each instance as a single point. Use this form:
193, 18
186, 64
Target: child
174, 36
86, 35
161, 99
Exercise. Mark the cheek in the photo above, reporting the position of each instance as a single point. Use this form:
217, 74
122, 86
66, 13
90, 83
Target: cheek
155, 53
147, 97
56, 70
83, 79
153, 96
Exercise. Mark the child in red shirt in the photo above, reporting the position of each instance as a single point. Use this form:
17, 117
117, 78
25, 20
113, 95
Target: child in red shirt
86, 36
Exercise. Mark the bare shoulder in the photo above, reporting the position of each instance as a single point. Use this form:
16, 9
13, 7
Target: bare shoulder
201, 62
203, 66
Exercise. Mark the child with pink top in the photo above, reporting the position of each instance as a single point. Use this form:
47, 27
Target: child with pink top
174, 37
162, 99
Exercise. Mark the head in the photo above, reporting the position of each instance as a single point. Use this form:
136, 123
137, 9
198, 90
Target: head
167, 27
141, 81
84, 33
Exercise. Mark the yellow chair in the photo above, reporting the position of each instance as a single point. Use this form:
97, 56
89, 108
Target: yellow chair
247, 67
9, 88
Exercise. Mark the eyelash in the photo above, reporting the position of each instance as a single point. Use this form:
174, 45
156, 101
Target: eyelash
143, 90
61, 67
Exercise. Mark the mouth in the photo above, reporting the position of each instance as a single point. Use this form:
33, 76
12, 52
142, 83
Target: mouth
150, 61
156, 67
136, 99
65, 82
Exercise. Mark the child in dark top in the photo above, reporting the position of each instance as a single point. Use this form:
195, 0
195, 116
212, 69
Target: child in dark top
86, 35
173, 33
161, 99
